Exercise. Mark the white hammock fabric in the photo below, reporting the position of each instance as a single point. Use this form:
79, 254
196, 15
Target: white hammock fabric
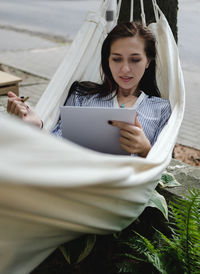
52, 190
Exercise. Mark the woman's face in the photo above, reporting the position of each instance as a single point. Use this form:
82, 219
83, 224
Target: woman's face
127, 62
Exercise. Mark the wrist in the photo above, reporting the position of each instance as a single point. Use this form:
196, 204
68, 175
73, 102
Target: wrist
41, 124
146, 150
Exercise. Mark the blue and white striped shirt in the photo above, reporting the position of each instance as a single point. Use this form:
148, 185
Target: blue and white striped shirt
153, 112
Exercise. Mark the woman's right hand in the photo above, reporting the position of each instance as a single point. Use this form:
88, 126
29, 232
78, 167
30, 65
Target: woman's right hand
16, 106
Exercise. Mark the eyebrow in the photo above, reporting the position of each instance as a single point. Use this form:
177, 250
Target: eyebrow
133, 54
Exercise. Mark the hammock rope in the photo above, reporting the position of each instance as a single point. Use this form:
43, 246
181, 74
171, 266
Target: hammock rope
142, 13
156, 10
131, 10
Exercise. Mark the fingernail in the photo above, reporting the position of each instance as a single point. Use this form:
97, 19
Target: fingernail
110, 122
22, 97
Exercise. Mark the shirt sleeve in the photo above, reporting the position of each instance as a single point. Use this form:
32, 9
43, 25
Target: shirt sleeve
165, 115
71, 101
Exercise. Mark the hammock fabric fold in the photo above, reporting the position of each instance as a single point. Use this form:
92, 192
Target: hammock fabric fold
52, 190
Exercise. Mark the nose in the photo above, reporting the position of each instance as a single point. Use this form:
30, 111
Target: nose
125, 67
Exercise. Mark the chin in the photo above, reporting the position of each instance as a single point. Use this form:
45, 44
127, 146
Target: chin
126, 86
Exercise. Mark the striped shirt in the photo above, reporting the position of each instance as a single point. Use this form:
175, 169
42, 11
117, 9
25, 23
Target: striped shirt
153, 112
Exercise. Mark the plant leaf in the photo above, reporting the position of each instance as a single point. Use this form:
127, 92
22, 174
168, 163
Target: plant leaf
90, 241
65, 253
159, 202
186, 216
78, 249
168, 180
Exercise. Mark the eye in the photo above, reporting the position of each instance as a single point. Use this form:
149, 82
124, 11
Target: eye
135, 60
117, 60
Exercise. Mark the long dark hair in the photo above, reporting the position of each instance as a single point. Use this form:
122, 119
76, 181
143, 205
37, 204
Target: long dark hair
148, 82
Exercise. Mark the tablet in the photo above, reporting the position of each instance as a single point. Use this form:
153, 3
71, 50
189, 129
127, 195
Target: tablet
88, 127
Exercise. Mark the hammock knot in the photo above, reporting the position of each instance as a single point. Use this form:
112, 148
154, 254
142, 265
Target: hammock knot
93, 17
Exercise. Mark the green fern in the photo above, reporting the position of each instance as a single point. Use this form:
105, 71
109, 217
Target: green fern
186, 234
145, 251
181, 252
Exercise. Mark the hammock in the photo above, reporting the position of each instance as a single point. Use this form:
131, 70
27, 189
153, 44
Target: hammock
52, 190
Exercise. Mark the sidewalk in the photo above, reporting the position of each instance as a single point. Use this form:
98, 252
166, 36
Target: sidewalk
40, 58
34, 59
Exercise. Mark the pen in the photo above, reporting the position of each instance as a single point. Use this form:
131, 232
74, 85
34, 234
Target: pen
24, 99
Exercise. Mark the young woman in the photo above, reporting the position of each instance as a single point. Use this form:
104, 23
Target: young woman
128, 72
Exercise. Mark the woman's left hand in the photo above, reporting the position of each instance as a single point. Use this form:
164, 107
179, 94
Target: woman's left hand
132, 138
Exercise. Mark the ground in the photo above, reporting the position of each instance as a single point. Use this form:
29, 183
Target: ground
187, 155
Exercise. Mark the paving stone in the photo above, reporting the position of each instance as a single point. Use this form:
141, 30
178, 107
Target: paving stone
190, 128
14, 41
27, 79
34, 92
39, 62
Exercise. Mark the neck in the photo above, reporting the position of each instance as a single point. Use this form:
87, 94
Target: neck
128, 92
127, 101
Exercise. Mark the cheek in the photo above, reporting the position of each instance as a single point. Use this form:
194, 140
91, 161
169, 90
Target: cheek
113, 68
141, 69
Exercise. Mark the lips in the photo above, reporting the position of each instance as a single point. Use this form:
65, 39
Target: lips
126, 79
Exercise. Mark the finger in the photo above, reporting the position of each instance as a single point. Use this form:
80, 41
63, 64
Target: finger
16, 110
21, 109
12, 107
23, 112
125, 141
137, 123
126, 134
11, 101
15, 107
125, 126
132, 144
11, 94
10, 104
127, 148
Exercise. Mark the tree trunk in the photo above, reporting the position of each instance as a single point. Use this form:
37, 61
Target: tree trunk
168, 7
